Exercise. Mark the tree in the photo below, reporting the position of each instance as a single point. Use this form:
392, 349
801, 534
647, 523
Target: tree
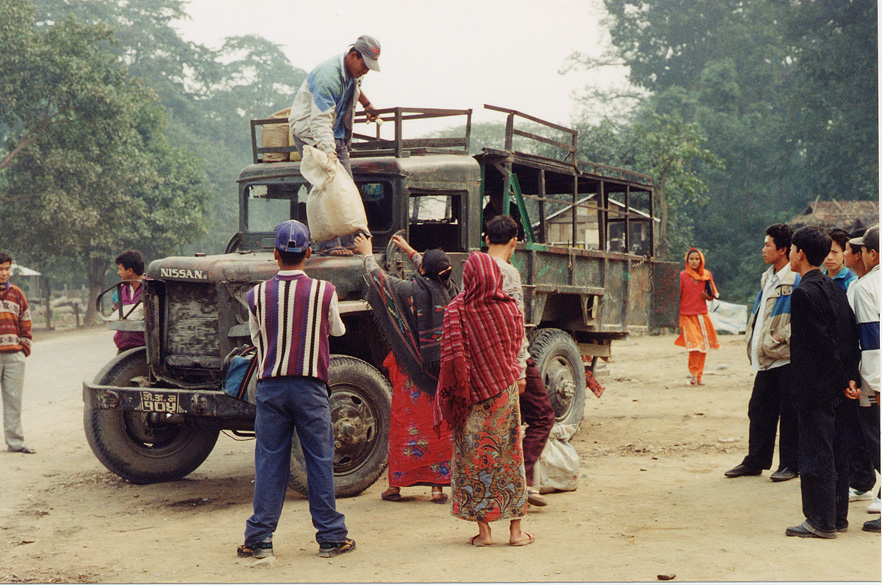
667, 148
87, 168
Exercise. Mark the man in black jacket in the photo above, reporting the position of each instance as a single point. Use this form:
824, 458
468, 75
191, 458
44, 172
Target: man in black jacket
825, 358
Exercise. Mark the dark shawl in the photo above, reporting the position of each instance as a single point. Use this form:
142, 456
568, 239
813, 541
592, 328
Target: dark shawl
411, 314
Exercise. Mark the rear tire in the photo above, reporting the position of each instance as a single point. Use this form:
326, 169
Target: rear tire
559, 361
361, 405
132, 445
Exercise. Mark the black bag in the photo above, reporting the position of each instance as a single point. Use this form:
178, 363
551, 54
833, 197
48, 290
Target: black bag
708, 289
240, 373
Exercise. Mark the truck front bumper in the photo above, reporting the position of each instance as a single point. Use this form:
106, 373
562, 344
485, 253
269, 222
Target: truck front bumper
169, 401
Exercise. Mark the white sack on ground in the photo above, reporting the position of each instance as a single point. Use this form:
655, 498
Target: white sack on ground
334, 207
558, 466
727, 317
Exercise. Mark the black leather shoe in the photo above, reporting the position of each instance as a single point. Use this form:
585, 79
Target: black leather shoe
805, 530
742, 469
783, 474
872, 525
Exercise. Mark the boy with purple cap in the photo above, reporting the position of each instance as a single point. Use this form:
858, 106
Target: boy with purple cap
290, 317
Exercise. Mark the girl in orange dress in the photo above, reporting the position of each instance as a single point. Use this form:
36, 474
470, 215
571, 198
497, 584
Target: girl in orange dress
697, 333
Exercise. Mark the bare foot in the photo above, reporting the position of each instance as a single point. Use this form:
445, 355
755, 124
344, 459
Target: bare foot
525, 539
477, 541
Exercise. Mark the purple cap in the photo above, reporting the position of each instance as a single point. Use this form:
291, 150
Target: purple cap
369, 49
292, 236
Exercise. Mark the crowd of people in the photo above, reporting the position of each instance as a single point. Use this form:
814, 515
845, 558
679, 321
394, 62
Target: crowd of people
813, 340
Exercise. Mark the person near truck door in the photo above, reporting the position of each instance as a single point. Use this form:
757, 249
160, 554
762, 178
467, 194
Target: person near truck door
324, 109
15, 346
768, 349
697, 333
825, 355
290, 317
536, 410
478, 398
130, 269
410, 314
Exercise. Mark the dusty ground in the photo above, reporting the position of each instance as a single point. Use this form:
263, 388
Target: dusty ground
652, 499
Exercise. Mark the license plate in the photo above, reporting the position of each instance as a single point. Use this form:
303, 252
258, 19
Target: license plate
159, 402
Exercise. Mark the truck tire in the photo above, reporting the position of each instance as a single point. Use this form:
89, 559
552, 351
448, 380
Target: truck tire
132, 448
361, 405
559, 361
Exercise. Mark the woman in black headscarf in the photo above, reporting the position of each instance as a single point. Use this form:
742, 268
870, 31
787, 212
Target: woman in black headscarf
411, 315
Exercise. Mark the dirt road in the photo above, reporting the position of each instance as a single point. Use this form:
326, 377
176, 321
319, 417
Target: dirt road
652, 498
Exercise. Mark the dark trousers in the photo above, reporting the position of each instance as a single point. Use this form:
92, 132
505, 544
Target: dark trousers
823, 464
862, 466
537, 412
286, 405
770, 402
869, 418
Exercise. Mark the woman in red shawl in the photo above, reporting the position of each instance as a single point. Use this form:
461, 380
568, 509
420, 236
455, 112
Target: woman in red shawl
697, 333
478, 398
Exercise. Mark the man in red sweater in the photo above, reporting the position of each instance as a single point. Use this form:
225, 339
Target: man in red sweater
15, 346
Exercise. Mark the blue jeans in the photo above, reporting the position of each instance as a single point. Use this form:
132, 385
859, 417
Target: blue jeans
286, 405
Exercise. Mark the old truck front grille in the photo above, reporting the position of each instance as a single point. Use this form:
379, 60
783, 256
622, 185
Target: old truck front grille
191, 326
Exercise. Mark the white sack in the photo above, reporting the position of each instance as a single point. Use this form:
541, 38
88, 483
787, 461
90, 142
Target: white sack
727, 317
558, 466
334, 207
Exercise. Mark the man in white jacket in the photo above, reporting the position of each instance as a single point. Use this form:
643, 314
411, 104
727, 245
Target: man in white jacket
324, 107
865, 301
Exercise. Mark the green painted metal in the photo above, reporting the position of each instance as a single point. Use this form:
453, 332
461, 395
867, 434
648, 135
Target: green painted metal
525, 217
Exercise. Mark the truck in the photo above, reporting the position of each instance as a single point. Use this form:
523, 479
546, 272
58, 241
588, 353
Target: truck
586, 261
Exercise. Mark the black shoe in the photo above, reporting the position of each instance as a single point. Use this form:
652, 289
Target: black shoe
332, 549
259, 550
783, 474
741, 470
872, 525
806, 530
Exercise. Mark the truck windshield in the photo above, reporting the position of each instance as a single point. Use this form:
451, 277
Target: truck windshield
268, 205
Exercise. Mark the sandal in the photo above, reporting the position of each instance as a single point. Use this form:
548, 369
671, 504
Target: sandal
25, 450
438, 496
391, 495
530, 540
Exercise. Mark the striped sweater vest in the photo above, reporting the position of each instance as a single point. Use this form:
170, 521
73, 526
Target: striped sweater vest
292, 312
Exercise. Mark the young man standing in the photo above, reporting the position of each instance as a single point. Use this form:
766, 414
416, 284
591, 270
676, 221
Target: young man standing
291, 316
825, 357
15, 346
536, 409
834, 263
768, 348
130, 269
866, 309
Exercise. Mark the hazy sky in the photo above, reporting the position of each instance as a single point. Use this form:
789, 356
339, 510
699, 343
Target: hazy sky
441, 54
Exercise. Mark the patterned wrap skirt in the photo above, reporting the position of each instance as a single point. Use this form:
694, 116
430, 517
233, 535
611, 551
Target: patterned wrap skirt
488, 481
417, 455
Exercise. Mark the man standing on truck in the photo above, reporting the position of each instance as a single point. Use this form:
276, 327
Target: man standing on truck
324, 110
290, 317
536, 409
324, 107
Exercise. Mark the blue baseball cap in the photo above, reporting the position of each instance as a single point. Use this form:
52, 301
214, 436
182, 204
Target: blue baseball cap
292, 236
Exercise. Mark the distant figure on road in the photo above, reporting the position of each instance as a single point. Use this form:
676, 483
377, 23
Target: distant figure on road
15, 346
697, 333
130, 269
